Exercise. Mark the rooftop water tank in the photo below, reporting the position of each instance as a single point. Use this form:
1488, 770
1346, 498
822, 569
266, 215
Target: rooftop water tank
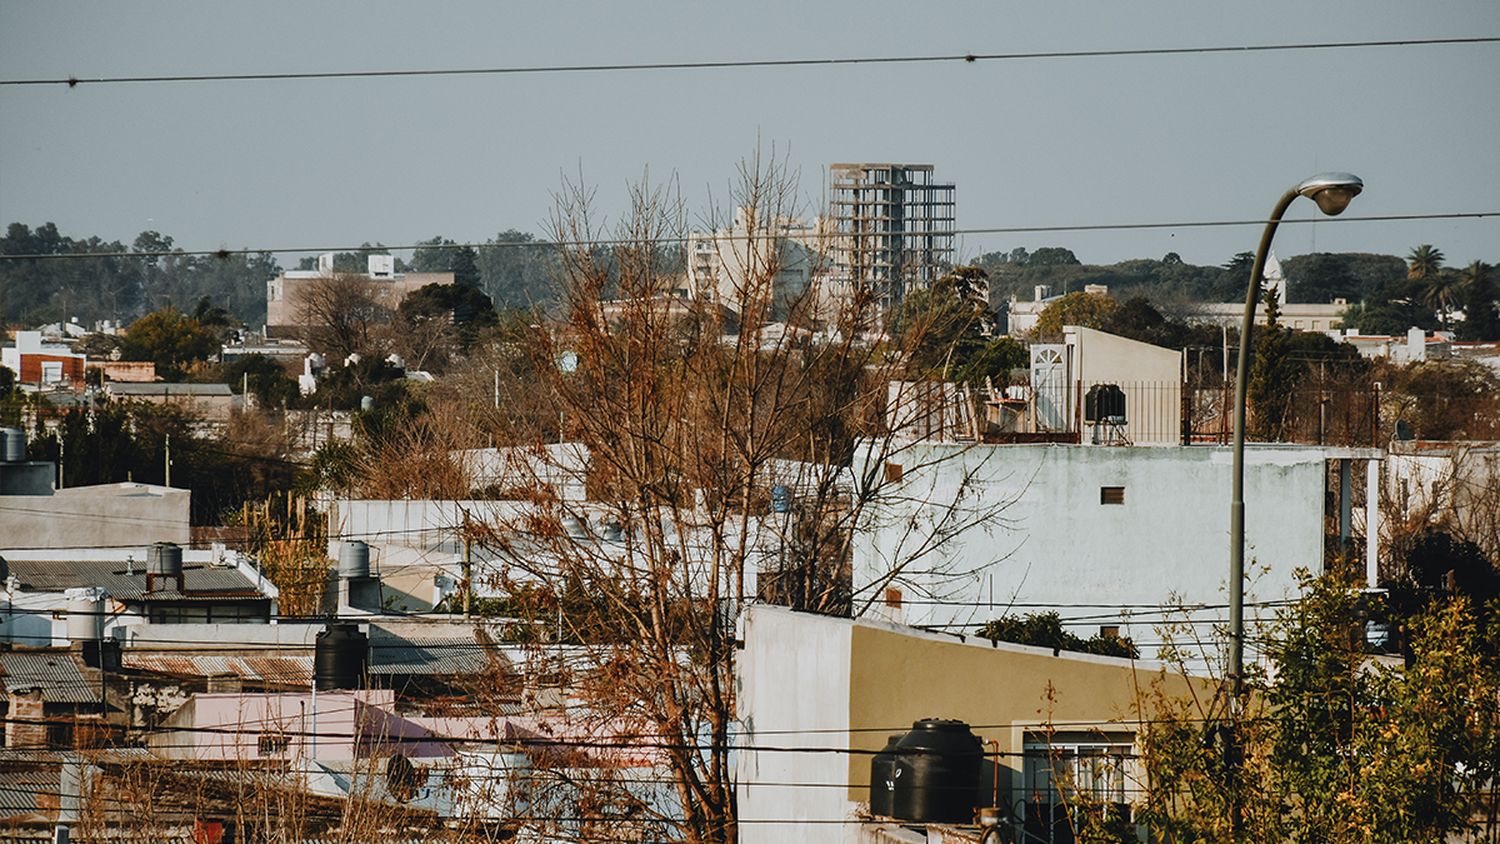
1104, 403
354, 559
882, 785
936, 773
164, 558
85, 613
339, 657
12, 445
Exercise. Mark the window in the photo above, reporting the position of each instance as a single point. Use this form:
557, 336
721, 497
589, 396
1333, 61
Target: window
892, 473
893, 597
52, 372
1066, 772
273, 744
1109, 631
1111, 495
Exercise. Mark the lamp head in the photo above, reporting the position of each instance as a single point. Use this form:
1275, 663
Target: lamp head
1332, 191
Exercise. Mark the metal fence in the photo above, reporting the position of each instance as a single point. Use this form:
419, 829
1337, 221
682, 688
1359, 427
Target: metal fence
1176, 413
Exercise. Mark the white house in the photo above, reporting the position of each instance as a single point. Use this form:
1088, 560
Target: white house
1067, 377
1109, 535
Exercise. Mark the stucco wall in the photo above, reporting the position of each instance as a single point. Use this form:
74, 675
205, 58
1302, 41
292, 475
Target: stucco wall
108, 515
1041, 535
793, 690
1150, 376
809, 681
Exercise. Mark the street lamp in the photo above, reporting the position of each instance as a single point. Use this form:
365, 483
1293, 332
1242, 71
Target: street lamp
1332, 192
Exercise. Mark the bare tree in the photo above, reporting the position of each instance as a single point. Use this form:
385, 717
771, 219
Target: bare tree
727, 453
341, 314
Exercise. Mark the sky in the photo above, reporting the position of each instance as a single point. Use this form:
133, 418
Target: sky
1038, 142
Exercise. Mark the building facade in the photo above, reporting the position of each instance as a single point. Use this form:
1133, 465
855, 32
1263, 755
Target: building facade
859, 681
891, 226
1137, 536
287, 293
39, 363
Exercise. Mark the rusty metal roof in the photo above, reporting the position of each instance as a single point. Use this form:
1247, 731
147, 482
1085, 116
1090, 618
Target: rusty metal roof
270, 668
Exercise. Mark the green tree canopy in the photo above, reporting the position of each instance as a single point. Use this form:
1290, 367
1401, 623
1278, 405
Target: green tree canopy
170, 338
1089, 310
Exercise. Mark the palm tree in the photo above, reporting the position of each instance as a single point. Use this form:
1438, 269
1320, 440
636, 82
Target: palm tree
1473, 274
1423, 261
1442, 288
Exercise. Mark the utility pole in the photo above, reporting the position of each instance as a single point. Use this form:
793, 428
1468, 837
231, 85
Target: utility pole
468, 567
167, 461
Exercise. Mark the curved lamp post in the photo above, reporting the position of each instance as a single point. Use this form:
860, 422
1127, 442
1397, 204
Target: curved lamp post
1332, 192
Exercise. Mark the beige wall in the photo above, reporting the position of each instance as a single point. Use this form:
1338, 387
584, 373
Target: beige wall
819, 684
1151, 377
896, 678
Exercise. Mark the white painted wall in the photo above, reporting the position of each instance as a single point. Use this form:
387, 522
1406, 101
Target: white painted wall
793, 691
1045, 538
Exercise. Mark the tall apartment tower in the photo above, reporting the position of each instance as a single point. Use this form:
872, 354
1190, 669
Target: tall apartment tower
892, 226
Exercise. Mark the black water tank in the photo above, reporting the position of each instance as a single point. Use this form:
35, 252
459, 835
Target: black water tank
339, 657
937, 773
881, 783
1104, 403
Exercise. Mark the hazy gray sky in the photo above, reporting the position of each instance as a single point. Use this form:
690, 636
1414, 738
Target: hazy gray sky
1037, 142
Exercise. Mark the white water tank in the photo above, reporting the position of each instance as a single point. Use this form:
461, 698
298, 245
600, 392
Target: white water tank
12, 445
164, 558
85, 613
354, 559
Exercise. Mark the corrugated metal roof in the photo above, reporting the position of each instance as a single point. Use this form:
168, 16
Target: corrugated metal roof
160, 388
278, 669
127, 581
57, 673
20, 789
430, 655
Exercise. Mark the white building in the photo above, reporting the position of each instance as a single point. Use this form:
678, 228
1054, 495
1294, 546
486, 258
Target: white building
753, 260
113, 591
1067, 380
1112, 534
828, 686
1300, 316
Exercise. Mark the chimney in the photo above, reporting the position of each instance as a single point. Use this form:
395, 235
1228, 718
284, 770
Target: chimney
25, 727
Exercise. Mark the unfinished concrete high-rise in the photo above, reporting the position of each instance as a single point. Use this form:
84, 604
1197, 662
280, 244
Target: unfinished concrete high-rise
892, 227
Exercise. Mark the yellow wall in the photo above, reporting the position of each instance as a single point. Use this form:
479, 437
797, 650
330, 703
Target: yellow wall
897, 678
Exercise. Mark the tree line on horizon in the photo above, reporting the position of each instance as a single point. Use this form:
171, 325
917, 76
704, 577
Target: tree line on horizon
517, 270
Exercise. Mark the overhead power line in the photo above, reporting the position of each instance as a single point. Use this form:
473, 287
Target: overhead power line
680, 239
937, 58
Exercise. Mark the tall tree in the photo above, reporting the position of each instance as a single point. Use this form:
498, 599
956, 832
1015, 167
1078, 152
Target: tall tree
1481, 303
1440, 290
692, 431
1274, 375
170, 338
465, 267
1424, 261
341, 315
